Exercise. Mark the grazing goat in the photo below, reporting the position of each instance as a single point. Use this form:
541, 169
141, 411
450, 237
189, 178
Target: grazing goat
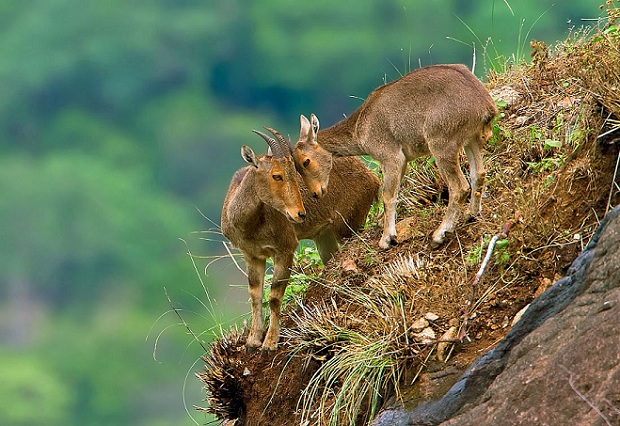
436, 110
263, 196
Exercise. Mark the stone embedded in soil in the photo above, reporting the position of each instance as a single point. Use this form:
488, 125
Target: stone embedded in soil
419, 324
431, 316
519, 314
520, 120
406, 229
507, 94
349, 265
425, 336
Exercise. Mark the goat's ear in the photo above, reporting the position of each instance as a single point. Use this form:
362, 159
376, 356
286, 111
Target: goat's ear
315, 126
249, 156
305, 128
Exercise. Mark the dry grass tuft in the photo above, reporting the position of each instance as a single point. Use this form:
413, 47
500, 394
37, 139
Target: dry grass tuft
222, 385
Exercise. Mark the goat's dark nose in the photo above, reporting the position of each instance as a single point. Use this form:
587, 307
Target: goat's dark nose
302, 215
315, 195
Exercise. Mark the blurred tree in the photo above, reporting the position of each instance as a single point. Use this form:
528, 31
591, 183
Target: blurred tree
32, 393
105, 57
77, 226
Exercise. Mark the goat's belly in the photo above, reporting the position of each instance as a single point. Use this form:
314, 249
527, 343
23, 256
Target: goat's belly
415, 149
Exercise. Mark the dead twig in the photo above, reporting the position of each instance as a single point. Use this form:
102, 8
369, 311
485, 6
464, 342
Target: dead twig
503, 234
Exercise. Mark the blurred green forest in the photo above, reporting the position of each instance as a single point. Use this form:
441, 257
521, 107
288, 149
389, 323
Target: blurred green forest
120, 128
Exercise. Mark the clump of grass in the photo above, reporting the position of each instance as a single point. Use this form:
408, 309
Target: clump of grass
363, 341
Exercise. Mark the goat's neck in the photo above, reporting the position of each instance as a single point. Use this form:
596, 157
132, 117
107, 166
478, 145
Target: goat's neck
246, 208
340, 138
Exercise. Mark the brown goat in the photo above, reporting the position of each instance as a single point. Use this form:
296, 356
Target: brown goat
437, 110
259, 201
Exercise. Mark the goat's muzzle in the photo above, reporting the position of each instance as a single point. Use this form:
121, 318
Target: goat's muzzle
319, 193
296, 218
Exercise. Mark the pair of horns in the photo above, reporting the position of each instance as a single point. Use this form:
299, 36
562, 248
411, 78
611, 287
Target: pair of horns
279, 146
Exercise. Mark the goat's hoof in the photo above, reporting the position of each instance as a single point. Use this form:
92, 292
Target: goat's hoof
250, 349
436, 242
268, 352
387, 242
471, 218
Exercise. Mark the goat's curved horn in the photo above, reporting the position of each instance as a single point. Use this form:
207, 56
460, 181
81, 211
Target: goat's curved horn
275, 146
286, 147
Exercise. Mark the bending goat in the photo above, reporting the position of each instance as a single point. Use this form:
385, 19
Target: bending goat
263, 196
436, 110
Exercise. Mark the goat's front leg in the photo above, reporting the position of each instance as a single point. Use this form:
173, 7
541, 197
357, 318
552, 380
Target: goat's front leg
393, 171
256, 279
281, 274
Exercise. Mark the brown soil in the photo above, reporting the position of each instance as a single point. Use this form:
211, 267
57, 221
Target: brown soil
548, 176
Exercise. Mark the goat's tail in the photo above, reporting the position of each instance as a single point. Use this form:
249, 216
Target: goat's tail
487, 125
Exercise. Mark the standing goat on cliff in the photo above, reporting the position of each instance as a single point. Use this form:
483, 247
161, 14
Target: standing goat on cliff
267, 211
436, 110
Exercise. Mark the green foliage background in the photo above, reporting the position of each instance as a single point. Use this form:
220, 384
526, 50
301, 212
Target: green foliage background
120, 120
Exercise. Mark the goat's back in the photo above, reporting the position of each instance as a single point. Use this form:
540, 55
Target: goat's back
439, 101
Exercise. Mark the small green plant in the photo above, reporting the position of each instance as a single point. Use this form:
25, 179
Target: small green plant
308, 257
474, 254
546, 164
501, 254
552, 143
500, 133
296, 289
535, 133
373, 215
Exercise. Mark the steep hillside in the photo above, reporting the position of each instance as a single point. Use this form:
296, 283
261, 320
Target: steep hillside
404, 323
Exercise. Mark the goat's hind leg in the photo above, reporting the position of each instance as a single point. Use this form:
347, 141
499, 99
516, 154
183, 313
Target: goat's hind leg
450, 171
327, 245
477, 177
256, 279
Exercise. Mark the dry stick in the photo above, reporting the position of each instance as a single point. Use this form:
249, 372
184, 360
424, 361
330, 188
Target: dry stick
612, 406
503, 234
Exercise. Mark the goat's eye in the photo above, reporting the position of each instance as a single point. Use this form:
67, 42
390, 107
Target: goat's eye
307, 162
277, 177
